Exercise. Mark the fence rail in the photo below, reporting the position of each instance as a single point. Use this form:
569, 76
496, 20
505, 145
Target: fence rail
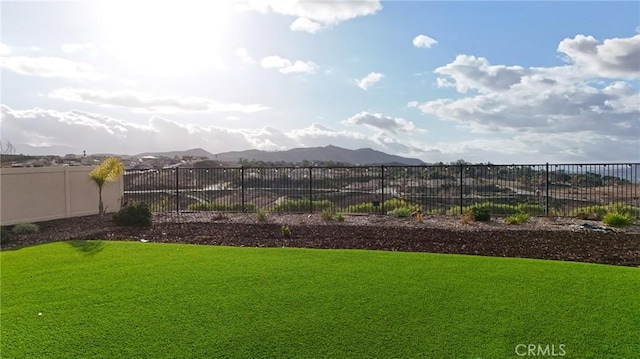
540, 189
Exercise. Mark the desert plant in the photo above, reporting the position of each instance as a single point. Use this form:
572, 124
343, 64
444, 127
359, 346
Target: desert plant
395, 203
587, 216
133, 214
25, 228
400, 212
160, 206
480, 213
262, 215
617, 219
363, 207
624, 208
466, 218
286, 231
518, 218
532, 209
597, 212
326, 214
302, 205
107, 171
340, 217
388, 205
221, 207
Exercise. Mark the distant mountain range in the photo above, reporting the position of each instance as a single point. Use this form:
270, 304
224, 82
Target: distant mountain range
363, 156
194, 152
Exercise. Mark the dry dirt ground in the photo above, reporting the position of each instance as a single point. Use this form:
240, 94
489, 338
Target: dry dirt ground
564, 239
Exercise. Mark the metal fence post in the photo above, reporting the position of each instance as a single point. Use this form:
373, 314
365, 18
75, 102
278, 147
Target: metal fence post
382, 189
546, 189
242, 188
310, 190
177, 190
461, 190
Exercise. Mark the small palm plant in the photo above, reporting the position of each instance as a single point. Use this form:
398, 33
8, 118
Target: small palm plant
108, 171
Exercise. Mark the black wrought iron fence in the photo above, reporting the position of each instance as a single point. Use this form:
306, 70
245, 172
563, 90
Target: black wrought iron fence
541, 189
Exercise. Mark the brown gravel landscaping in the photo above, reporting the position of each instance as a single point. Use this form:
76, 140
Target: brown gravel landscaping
543, 238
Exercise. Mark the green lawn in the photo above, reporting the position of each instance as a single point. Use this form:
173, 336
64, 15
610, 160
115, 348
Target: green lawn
142, 300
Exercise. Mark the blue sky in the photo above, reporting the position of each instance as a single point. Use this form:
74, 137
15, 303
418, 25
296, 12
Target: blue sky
505, 82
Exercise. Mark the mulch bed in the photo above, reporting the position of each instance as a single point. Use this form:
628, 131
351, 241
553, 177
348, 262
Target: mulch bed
616, 248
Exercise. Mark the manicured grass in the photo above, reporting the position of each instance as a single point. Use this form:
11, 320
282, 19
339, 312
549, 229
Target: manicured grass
143, 300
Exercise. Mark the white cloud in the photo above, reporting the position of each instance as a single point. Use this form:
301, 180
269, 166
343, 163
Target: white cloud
286, 66
89, 47
412, 104
147, 103
50, 67
308, 67
617, 58
469, 72
534, 148
539, 102
320, 135
77, 131
304, 24
315, 15
243, 55
382, 122
74, 131
4, 49
423, 41
319, 131
277, 62
371, 79
561, 108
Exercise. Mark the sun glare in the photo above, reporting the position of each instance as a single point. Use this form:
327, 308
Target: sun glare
166, 37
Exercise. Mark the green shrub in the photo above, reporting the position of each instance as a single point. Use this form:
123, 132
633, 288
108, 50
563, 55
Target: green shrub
326, 214
495, 208
262, 215
388, 205
480, 213
221, 207
161, 205
401, 212
518, 218
25, 228
286, 231
598, 212
133, 214
302, 205
395, 203
199, 206
617, 219
363, 207
340, 217
532, 209
5, 234
623, 208
501, 209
